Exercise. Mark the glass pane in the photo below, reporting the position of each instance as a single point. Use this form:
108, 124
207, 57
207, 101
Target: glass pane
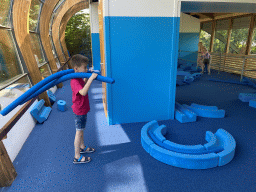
45, 71
33, 14
239, 35
57, 62
205, 35
9, 94
253, 48
37, 48
4, 12
221, 35
9, 62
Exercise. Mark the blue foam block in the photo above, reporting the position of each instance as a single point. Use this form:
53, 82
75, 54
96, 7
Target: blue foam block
246, 97
183, 114
228, 143
219, 150
62, 105
40, 112
204, 112
51, 96
252, 103
158, 132
146, 141
187, 161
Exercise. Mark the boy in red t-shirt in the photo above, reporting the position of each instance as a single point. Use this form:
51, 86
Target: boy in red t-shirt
81, 107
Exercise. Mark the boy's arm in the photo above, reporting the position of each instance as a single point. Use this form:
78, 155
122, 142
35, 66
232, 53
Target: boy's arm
86, 87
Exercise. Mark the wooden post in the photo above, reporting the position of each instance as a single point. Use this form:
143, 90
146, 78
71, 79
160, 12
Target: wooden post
229, 35
250, 35
213, 35
21, 29
7, 170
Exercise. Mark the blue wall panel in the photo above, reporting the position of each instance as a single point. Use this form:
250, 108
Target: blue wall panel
96, 50
188, 46
141, 55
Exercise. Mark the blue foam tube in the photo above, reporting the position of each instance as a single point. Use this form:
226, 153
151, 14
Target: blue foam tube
24, 96
67, 77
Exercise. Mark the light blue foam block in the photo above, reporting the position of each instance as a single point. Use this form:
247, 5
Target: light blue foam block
183, 114
228, 143
252, 103
187, 161
40, 112
207, 112
246, 97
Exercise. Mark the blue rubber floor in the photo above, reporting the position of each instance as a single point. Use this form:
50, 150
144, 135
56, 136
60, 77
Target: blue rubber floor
121, 164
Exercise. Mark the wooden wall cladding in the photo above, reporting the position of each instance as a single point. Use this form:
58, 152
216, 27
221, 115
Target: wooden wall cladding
57, 22
76, 8
21, 29
45, 18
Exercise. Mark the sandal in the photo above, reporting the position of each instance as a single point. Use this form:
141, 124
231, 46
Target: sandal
78, 161
87, 150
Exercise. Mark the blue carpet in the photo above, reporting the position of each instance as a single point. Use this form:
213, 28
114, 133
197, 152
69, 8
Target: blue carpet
121, 164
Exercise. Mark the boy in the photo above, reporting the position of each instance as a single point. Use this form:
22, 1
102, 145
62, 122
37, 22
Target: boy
81, 106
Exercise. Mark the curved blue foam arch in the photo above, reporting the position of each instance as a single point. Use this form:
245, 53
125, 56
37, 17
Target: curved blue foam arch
37, 86
67, 77
225, 142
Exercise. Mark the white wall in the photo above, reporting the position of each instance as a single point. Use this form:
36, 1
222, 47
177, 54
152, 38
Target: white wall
94, 17
17, 136
141, 8
189, 24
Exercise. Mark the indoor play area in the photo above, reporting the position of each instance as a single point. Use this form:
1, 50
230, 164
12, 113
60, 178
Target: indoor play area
158, 121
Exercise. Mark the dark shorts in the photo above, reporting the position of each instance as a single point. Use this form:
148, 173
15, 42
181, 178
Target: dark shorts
80, 121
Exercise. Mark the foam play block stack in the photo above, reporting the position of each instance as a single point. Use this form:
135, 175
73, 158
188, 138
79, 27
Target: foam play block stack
40, 112
219, 150
206, 111
183, 114
246, 97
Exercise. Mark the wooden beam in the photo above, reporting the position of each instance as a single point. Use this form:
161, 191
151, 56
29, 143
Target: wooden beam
7, 170
212, 35
250, 35
57, 22
45, 19
21, 30
229, 35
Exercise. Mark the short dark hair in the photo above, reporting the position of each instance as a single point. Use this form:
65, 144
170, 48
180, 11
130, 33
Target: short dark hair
77, 60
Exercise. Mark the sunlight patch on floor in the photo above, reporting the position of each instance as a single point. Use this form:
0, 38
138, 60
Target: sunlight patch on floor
125, 175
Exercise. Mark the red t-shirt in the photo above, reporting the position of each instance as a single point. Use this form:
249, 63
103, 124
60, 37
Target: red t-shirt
80, 103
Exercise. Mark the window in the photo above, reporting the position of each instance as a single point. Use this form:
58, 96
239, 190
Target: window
45, 71
4, 12
253, 48
37, 48
9, 60
239, 35
33, 14
221, 35
206, 34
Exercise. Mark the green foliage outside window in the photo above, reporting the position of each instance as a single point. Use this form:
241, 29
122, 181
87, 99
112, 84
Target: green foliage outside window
78, 36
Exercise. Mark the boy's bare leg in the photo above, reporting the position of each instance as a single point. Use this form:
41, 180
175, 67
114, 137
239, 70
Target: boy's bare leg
82, 146
209, 69
77, 143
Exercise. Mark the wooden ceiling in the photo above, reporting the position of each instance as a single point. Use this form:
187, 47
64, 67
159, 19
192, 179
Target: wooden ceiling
212, 16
